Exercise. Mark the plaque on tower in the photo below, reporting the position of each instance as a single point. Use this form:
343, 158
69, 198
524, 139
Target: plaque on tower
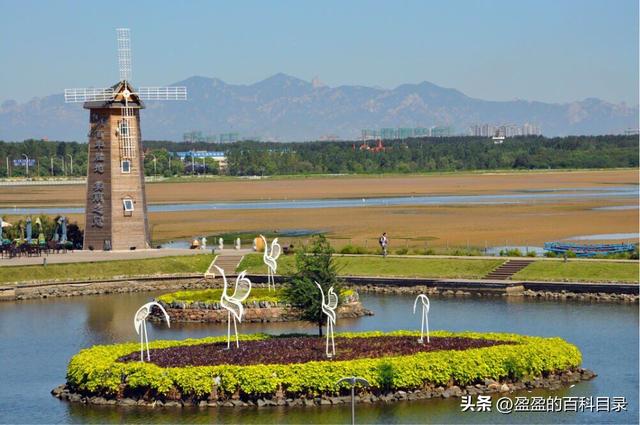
116, 207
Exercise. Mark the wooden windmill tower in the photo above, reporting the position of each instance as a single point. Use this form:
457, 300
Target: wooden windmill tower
116, 208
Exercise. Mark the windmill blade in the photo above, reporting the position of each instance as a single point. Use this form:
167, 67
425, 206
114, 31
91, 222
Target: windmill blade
124, 53
88, 95
162, 93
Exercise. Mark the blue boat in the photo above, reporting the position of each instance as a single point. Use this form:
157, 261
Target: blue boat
588, 250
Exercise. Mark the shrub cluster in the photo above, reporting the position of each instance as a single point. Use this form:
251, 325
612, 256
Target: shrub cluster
211, 296
96, 370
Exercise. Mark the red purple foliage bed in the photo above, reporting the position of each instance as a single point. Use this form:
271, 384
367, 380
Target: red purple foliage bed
302, 349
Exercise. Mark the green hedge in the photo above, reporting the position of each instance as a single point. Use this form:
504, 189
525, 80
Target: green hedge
95, 370
210, 296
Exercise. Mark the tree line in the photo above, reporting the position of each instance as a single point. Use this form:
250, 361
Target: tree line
347, 157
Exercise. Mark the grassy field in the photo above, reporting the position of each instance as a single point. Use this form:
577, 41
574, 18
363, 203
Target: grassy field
390, 266
106, 269
545, 270
580, 271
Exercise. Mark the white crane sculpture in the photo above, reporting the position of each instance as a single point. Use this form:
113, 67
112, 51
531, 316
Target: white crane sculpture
233, 303
425, 316
329, 308
270, 258
140, 323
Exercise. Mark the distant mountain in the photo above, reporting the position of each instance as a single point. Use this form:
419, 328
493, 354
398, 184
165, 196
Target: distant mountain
287, 108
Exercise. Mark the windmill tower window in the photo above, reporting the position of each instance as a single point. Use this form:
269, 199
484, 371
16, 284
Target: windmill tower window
127, 204
125, 166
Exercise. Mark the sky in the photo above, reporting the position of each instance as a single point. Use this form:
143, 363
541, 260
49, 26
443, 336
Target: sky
545, 50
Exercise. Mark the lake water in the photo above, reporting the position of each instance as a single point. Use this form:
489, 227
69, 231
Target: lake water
604, 237
497, 199
38, 337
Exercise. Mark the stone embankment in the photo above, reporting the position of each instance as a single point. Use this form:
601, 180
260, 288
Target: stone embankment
606, 292
551, 382
562, 295
582, 296
102, 287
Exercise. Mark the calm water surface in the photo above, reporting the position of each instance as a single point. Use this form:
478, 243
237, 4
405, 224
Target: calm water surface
37, 338
529, 196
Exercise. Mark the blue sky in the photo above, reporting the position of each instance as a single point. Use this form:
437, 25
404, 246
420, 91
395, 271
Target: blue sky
548, 50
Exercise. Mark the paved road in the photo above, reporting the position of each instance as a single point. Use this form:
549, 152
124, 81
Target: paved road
86, 256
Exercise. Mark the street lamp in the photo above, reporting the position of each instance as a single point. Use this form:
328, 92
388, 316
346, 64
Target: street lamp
70, 164
64, 170
352, 381
8, 171
204, 167
26, 164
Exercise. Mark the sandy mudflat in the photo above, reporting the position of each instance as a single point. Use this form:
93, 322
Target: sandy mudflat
334, 187
415, 226
422, 226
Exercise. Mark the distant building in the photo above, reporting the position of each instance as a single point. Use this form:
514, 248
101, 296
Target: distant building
194, 156
329, 138
504, 130
198, 136
400, 133
445, 131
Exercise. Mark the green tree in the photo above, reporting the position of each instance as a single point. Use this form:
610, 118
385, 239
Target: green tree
314, 263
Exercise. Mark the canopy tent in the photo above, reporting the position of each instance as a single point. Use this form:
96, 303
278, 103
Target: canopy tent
3, 224
29, 230
63, 225
61, 230
41, 238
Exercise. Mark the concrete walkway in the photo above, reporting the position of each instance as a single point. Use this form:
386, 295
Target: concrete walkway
88, 256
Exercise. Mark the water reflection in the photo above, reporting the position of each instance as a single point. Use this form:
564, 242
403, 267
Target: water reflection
38, 337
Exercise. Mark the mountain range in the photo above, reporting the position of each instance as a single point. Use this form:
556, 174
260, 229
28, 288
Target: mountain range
286, 108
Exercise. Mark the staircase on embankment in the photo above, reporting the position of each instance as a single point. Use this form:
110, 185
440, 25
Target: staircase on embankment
227, 261
507, 269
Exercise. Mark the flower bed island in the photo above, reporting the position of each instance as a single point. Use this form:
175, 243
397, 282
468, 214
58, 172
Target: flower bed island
291, 369
262, 305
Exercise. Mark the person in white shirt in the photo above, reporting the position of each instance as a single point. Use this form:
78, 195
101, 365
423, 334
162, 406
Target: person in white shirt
384, 242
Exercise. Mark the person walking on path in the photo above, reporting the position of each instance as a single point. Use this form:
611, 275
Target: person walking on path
384, 242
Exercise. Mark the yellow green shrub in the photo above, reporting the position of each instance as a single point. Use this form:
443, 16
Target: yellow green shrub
96, 369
